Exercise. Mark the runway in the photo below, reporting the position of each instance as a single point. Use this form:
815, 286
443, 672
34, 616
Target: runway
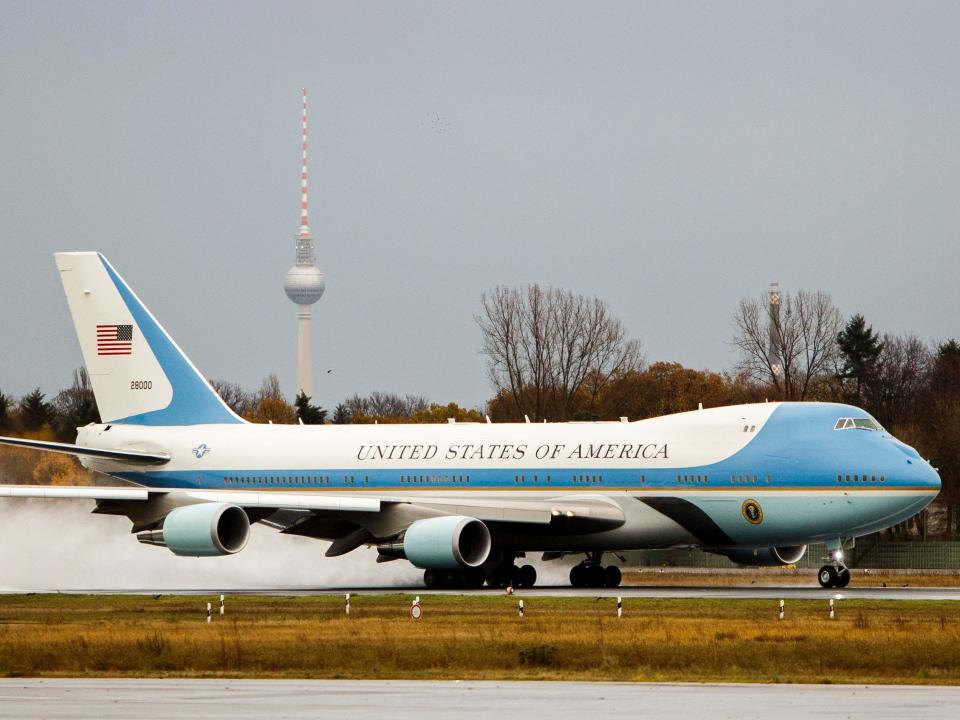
419, 700
768, 592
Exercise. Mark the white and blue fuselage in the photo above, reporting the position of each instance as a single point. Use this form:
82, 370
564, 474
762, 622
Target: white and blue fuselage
680, 479
755, 482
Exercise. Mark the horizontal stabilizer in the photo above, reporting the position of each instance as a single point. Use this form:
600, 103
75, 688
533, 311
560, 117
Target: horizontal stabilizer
133, 457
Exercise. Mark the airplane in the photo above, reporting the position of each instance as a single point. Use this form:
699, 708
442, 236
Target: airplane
465, 501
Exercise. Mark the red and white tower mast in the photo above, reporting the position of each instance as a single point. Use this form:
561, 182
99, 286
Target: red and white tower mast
304, 283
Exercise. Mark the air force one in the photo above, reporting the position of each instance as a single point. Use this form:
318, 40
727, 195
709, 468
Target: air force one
465, 501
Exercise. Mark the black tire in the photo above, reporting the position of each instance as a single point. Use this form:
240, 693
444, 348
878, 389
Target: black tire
578, 577
430, 578
843, 578
501, 576
827, 576
595, 576
612, 576
527, 576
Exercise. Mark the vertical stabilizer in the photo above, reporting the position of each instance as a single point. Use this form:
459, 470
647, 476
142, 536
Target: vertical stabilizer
138, 373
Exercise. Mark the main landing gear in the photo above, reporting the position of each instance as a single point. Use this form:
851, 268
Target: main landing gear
591, 574
836, 575
454, 579
500, 573
509, 575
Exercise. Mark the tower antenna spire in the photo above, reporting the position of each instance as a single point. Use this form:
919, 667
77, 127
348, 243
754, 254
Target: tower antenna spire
304, 215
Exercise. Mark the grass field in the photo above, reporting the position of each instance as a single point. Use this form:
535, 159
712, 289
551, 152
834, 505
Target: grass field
481, 638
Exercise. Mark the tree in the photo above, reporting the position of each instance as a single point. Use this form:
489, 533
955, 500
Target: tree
859, 350
787, 345
74, 407
308, 414
239, 400
437, 413
271, 406
898, 381
341, 416
661, 389
384, 406
34, 410
5, 403
941, 422
549, 350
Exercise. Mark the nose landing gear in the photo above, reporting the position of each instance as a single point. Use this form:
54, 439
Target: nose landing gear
836, 575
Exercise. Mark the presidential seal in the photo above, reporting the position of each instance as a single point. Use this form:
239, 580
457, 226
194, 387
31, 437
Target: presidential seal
752, 512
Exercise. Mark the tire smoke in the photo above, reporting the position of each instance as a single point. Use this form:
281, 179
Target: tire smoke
51, 545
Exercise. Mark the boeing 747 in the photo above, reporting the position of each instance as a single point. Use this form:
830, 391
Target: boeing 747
464, 501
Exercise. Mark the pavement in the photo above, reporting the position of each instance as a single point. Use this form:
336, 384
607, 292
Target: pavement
105, 699
776, 592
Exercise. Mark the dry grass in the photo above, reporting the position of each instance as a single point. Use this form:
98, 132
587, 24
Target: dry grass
481, 638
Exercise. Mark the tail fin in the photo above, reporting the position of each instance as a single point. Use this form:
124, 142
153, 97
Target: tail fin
139, 375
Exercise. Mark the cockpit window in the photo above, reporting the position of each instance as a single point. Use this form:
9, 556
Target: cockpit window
866, 423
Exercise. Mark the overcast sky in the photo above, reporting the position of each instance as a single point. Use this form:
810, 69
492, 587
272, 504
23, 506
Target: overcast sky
668, 157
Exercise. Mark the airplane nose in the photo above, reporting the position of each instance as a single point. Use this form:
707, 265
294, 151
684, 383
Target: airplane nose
932, 477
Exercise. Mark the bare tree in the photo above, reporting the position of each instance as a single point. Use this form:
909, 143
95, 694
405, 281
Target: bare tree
897, 392
74, 407
239, 400
788, 344
547, 348
380, 404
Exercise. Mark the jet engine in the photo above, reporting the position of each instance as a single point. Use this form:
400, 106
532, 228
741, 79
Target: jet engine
449, 542
202, 530
763, 557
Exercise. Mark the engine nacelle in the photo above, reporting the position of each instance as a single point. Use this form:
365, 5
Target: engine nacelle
202, 530
766, 557
447, 543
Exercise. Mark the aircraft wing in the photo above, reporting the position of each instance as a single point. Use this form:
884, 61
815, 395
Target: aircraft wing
585, 511
132, 457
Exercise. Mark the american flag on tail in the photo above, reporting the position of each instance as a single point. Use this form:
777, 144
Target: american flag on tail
114, 339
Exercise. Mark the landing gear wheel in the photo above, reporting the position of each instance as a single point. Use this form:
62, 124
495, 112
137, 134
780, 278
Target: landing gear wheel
527, 576
827, 576
508, 575
430, 578
612, 576
578, 576
595, 576
843, 578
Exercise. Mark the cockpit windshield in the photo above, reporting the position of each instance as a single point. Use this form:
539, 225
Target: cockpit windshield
861, 423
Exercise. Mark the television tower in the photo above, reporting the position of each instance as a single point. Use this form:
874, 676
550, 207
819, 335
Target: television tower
304, 283
776, 365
